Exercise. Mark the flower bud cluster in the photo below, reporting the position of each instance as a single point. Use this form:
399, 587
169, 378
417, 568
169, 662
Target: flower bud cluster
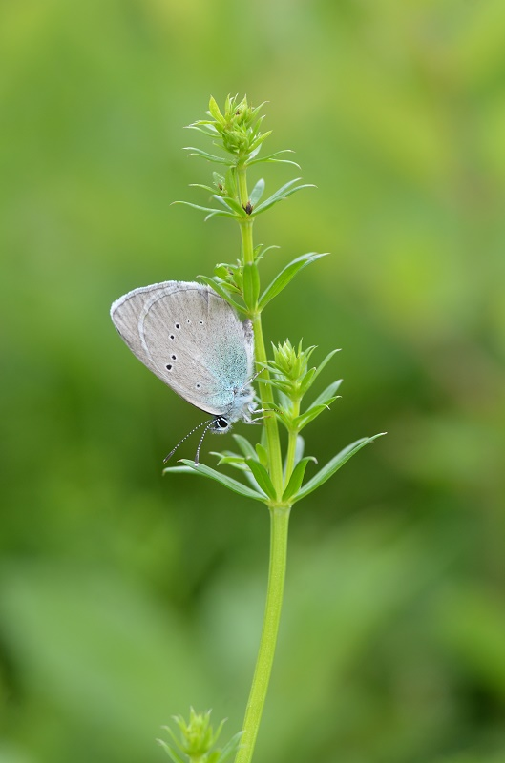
196, 739
238, 127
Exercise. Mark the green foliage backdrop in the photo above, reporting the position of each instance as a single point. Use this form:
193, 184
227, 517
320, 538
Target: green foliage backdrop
124, 596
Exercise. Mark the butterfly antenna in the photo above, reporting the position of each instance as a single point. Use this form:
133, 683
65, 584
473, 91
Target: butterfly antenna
197, 457
167, 458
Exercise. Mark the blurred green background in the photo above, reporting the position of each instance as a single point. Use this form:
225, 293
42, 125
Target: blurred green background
125, 596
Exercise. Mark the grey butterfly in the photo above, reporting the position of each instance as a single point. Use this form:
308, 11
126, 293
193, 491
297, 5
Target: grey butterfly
194, 341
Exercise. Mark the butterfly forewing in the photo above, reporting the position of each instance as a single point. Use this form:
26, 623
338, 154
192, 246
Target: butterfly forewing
191, 339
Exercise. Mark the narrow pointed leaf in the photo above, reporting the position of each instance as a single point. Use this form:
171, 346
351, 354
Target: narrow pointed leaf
262, 478
332, 466
221, 291
171, 751
296, 479
215, 110
257, 192
251, 285
280, 193
285, 276
228, 453
316, 371
178, 470
231, 203
237, 461
262, 454
230, 181
274, 158
213, 212
245, 446
307, 380
210, 157
310, 414
327, 396
231, 747
211, 190
287, 190
300, 448
207, 471
284, 402
259, 252
204, 127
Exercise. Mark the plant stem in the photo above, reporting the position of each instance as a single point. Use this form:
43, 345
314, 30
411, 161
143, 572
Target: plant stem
279, 518
267, 399
291, 449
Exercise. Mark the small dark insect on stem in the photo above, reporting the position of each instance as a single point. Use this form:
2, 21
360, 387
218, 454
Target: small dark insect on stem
248, 208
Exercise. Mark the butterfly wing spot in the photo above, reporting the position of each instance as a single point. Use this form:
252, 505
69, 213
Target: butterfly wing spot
177, 325
168, 366
174, 357
172, 336
198, 385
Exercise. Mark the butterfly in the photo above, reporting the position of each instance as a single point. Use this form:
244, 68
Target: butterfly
194, 341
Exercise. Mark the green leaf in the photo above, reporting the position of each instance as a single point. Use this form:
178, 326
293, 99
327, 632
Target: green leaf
231, 484
205, 128
215, 110
259, 140
262, 454
251, 285
231, 747
262, 478
238, 462
257, 192
230, 181
332, 466
171, 751
328, 396
300, 448
229, 460
245, 446
312, 375
231, 203
211, 190
286, 190
296, 479
310, 414
259, 251
285, 276
219, 288
213, 212
205, 155
271, 158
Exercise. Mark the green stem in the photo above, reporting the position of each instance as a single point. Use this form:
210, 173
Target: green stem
267, 399
291, 449
279, 518
268, 405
